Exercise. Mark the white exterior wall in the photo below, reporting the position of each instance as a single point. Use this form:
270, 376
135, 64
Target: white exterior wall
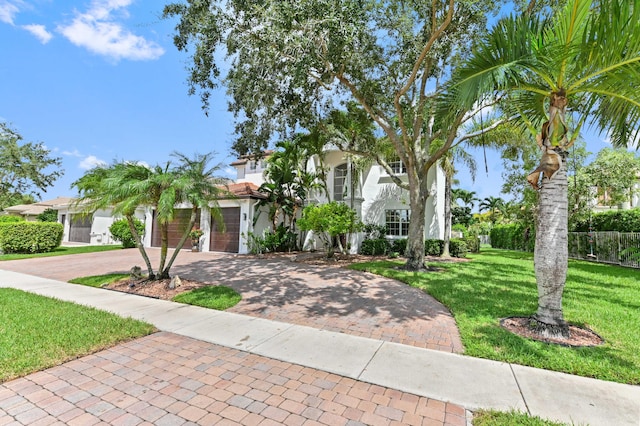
101, 221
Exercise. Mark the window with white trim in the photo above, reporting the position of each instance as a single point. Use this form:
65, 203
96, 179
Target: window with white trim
397, 222
397, 167
339, 182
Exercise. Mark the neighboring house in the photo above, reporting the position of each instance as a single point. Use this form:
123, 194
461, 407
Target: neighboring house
602, 203
370, 192
31, 211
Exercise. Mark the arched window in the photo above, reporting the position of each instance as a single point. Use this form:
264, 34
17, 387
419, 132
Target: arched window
339, 182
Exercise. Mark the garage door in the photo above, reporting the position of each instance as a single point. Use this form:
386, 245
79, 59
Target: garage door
176, 228
80, 228
229, 240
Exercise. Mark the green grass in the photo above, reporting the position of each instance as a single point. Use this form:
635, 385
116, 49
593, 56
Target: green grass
212, 297
511, 418
501, 283
60, 251
99, 280
37, 332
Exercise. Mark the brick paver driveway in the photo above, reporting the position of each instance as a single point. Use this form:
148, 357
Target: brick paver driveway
328, 298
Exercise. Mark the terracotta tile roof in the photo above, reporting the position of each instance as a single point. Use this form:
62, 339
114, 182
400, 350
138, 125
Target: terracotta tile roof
245, 189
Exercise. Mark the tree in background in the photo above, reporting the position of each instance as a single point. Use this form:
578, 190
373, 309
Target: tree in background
49, 215
614, 173
25, 168
291, 60
579, 61
492, 205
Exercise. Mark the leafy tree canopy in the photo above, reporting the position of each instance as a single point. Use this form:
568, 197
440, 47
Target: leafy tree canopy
25, 168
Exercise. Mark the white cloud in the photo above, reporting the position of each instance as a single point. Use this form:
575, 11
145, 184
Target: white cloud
40, 32
98, 31
230, 171
8, 11
90, 162
74, 153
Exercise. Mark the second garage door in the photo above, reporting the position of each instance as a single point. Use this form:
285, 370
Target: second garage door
176, 228
229, 240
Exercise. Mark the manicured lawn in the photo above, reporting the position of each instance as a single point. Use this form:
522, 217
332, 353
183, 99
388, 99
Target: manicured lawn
513, 418
500, 283
61, 251
99, 280
37, 332
214, 297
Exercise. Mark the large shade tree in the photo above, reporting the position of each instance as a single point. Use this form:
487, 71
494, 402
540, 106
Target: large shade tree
291, 61
26, 168
581, 61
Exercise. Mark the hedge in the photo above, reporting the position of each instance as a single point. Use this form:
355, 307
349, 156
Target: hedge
457, 247
473, 243
30, 237
514, 236
376, 247
11, 219
613, 220
120, 231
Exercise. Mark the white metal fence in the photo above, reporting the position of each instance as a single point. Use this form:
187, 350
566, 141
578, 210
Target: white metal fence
620, 248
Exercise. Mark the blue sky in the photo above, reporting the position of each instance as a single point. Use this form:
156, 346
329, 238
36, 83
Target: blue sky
98, 81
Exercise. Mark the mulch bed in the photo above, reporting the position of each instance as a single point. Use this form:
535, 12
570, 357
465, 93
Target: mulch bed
579, 336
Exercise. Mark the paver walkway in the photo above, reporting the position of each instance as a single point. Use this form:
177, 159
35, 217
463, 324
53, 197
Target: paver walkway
166, 379
326, 298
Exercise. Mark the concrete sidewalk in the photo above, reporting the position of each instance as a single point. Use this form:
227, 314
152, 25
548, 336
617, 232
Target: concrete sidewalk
470, 382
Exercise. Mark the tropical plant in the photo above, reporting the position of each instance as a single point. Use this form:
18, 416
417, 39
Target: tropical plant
493, 205
582, 59
126, 186
328, 222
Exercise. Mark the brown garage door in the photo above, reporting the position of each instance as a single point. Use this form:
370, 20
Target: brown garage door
229, 240
176, 228
80, 228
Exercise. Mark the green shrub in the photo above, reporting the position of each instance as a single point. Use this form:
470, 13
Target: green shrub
30, 237
375, 247
473, 243
458, 247
399, 246
613, 220
513, 236
11, 219
433, 247
49, 215
120, 231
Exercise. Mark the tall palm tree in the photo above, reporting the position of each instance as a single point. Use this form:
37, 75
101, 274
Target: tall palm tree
493, 205
585, 59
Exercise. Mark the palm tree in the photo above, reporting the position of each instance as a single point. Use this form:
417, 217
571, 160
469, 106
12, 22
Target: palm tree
467, 197
125, 186
197, 185
101, 188
493, 205
446, 163
585, 58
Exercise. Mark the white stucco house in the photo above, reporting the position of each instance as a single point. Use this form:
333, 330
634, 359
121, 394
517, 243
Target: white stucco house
370, 192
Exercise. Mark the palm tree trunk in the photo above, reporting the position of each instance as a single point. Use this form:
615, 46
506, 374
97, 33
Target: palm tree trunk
164, 244
192, 222
447, 217
140, 247
551, 255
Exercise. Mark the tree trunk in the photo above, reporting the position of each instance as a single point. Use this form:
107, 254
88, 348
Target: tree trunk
447, 217
164, 244
418, 195
551, 255
140, 247
192, 222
